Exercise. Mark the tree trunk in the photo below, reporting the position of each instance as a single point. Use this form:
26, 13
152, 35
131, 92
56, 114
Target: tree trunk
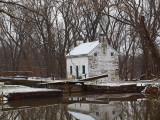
151, 45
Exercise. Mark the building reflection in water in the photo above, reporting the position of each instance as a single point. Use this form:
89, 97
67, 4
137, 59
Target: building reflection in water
96, 111
80, 108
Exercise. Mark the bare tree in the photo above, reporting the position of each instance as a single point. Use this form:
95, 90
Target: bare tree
135, 10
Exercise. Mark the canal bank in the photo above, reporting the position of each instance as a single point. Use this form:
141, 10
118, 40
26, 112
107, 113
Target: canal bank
59, 88
71, 87
114, 89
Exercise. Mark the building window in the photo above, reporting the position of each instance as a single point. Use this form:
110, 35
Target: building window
112, 53
83, 69
113, 112
95, 54
70, 70
97, 113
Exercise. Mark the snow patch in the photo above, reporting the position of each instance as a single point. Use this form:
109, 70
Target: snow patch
122, 84
6, 89
1, 83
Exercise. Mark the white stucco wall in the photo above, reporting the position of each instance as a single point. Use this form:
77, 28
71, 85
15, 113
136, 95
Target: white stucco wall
104, 63
77, 61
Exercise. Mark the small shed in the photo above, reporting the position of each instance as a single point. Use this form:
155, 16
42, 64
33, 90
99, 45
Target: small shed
93, 59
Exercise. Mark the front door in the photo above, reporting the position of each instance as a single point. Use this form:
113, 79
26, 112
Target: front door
77, 72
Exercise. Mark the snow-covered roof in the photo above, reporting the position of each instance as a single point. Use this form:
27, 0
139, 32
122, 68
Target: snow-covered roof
83, 49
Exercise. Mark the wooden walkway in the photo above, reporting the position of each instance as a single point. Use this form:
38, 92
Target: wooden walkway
94, 78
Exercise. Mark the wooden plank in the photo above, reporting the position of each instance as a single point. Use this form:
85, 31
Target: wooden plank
63, 82
94, 78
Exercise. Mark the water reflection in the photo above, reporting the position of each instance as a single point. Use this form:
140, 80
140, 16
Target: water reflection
93, 107
96, 111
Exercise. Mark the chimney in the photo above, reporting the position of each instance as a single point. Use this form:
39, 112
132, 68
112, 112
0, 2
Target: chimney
102, 37
103, 41
79, 41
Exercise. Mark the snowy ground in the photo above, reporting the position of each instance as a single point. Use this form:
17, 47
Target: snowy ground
118, 83
6, 89
29, 78
121, 83
1, 83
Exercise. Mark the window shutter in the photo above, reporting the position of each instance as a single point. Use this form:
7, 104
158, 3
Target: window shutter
70, 69
83, 69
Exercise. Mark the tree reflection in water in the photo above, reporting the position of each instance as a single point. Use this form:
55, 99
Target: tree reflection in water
53, 112
140, 109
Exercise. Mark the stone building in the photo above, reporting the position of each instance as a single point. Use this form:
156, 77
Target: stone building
93, 111
93, 59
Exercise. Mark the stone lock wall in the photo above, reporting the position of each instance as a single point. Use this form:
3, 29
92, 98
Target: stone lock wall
114, 89
66, 87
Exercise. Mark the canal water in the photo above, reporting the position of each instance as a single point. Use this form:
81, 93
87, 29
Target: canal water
84, 107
